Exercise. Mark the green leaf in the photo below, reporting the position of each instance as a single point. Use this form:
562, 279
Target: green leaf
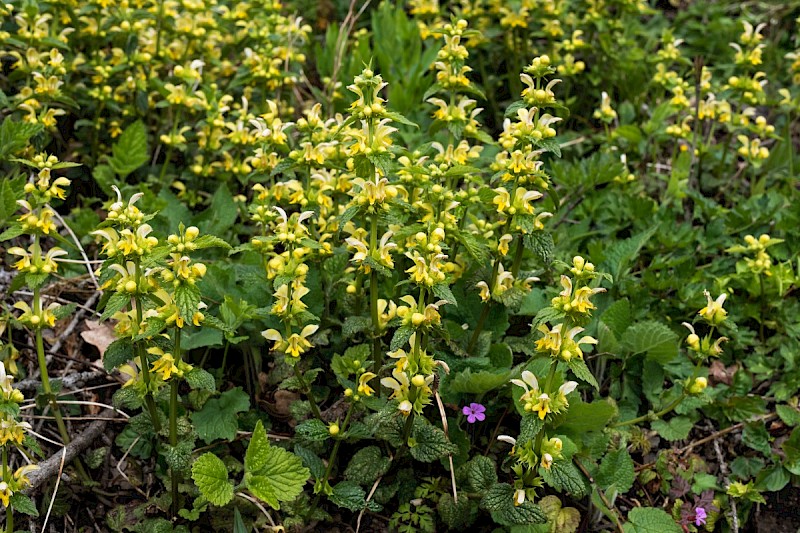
616, 469
210, 241
217, 419
349, 495
582, 372
21, 503
788, 414
197, 378
650, 520
457, 515
367, 465
117, 302
118, 353
354, 325
238, 523
500, 501
10, 192
677, 428
430, 443
565, 476
617, 317
587, 417
311, 461
481, 474
272, 474
187, 299
211, 477
442, 292
481, 382
312, 430
654, 338
541, 244
130, 150
14, 136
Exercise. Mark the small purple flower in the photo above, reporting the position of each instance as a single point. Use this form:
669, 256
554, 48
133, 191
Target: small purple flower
474, 412
700, 516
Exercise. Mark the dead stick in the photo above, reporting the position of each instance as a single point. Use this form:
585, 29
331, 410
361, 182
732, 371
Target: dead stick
50, 466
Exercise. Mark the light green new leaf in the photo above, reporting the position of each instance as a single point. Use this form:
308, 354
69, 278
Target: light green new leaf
211, 477
272, 474
130, 150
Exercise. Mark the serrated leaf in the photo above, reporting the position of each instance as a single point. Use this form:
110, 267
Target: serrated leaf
273, 474
367, 465
14, 136
311, 461
354, 325
582, 372
197, 378
616, 469
130, 150
481, 474
653, 338
117, 302
500, 501
788, 414
541, 244
587, 417
10, 192
312, 430
677, 428
210, 241
23, 504
187, 299
430, 443
650, 520
211, 477
457, 515
565, 476
480, 382
118, 353
349, 495
217, 419
443, 292
400, 337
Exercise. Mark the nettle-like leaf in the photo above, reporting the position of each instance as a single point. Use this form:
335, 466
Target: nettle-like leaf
272, 474
130, 150
499, 500
457, 515
197, 378
217, 419
481, 474
118, 353
312, 430
650, 520
677, 428
211, 477
565, 477
616, 469
23, 504
367, 465
653, 338
187, 298
349, 495
429, 443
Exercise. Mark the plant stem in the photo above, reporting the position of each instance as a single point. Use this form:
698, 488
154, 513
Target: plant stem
336, 445
139, 348
173, 419
548, 384
307, 390
651, 416
377, 355
515, 266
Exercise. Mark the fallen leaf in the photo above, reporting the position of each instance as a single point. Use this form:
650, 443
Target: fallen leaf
98, 335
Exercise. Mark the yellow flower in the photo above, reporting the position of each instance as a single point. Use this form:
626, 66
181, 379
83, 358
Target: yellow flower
295, 345
165, 365
363, 387
713, 313
5, 493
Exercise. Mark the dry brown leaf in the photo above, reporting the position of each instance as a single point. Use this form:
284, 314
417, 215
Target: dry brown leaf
98, 335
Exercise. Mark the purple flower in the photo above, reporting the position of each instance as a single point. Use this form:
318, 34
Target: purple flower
700, 516
474, 412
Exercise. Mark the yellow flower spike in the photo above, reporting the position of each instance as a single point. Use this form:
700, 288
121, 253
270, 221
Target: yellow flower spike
503, 244
5, 493
363, 387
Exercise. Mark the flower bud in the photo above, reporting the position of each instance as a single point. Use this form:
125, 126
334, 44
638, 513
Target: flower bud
418, 381
333, 429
